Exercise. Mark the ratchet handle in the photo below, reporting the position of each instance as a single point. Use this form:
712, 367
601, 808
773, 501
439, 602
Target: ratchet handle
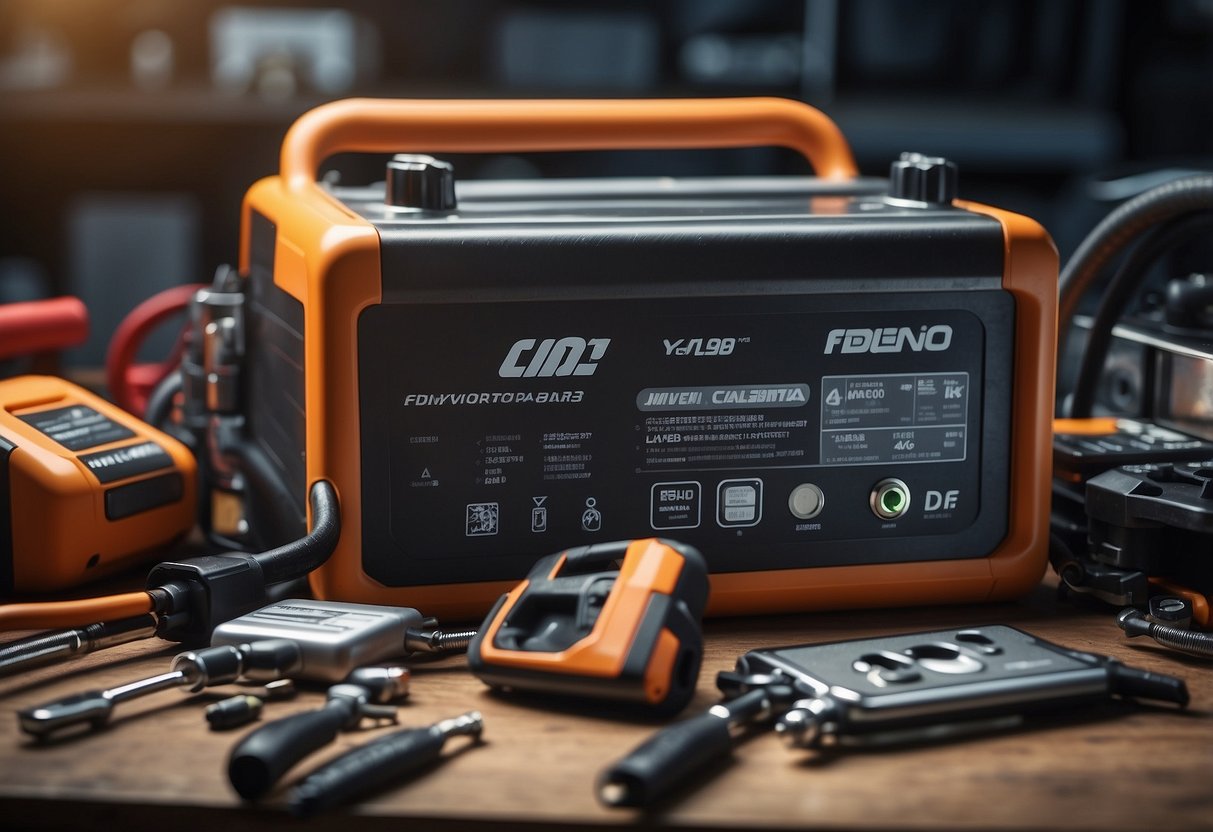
261, 758
367, 768
665, 760
93, 707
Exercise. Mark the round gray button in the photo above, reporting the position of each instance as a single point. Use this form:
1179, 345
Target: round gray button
806, 501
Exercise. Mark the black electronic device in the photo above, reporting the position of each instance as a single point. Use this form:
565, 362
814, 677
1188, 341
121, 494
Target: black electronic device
1129, 517
837, 388
1083, 448
1141, 518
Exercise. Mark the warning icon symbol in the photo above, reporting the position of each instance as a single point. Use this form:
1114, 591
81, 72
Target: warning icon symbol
834, 398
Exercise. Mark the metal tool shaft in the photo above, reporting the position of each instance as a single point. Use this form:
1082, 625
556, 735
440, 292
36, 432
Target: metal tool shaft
52, 646
195, 669
143, 687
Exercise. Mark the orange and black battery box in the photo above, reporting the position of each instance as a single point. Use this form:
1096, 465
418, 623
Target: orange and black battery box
85, 487
838, 389
618, 620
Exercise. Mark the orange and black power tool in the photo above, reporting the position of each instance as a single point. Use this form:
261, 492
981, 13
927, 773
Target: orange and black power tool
617, 620
85, 488
839, 389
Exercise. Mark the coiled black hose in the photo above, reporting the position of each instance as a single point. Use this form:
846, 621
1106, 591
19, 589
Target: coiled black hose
1155, 243
1121, 227
1153, 211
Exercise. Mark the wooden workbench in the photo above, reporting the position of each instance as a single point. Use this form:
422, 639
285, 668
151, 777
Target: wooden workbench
1124, 768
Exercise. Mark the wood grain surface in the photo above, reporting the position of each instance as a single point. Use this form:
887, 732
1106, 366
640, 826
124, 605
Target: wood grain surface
1118, 768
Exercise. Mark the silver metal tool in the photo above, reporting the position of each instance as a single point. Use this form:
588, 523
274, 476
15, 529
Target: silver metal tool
53, 646
335, 637
193, 670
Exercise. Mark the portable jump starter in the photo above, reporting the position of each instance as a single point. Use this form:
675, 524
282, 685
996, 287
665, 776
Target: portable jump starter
86, 489
838, 389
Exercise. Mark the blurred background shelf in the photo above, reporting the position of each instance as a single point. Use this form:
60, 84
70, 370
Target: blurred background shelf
130, 129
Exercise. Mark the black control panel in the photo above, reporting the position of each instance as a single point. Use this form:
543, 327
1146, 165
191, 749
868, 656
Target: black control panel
770, 431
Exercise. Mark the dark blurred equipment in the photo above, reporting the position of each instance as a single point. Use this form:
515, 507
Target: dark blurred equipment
121, 247
1133, 498
576, 49
1030, 97
1135, 235
280, 53
132, 384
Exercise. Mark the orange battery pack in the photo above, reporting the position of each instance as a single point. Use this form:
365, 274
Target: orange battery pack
85, 487
837, 388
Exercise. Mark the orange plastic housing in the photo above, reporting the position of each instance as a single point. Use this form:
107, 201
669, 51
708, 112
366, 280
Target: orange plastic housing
649, 567
58, 508
328, 258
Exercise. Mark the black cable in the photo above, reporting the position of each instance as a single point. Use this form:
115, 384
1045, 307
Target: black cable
160, 402
1120, 290
299, 557
276, 515
195, 595
1120, 228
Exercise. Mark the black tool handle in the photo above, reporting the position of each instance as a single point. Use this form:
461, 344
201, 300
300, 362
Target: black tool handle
261, 758
366, 768
270, 660
1142, 684
665, 760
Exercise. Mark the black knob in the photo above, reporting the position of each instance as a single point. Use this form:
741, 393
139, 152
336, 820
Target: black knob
919, 178
420, 182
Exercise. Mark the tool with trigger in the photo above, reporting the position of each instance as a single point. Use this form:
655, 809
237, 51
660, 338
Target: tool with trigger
261, 758
194, 670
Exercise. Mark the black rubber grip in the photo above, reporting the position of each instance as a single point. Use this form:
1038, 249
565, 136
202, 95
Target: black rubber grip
665, 760
261, 758
1142, 684
366, 769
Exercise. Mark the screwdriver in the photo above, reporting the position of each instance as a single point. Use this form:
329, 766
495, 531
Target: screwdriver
193, 670
260, 759
375, 764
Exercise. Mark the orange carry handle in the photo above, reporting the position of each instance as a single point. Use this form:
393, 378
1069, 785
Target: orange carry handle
370, 125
